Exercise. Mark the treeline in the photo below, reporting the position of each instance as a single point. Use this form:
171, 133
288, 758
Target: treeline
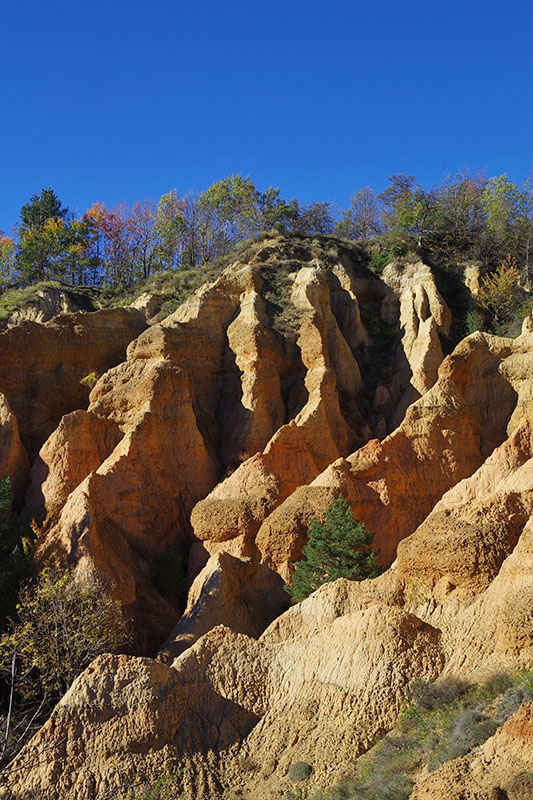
466, 217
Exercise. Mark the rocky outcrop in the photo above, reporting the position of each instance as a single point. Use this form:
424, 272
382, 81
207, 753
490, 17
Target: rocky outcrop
41, 366
227, 688
51, 301
149, 303
197, 395
414, 302
79, 445
13, 456
393, 485
229, 426
501, 769
322, 430
240, 594
131, 512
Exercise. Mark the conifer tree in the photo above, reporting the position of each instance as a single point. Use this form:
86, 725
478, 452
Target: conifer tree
339, 548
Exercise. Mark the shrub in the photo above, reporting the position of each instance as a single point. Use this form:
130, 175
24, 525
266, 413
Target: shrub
474, 322
378, 261
339, 548
426, 695
470, 728
300, 771
498, 292
90, 380
62, 624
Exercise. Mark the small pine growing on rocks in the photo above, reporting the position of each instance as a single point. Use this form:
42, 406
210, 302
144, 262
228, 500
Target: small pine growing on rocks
339, 548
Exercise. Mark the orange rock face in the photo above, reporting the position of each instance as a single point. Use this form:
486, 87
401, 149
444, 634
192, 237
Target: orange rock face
41, 366
132, 510
13, 456
227, 428
242, 595
392, 485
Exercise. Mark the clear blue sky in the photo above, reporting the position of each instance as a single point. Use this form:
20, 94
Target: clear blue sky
114, 100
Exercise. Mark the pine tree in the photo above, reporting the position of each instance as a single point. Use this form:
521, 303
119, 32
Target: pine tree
339, 548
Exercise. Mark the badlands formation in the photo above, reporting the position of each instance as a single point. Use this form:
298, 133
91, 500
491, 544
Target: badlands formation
218, 434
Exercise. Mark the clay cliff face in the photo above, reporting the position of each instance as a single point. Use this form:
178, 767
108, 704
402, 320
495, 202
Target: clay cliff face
41, 366
229, 426
218, 414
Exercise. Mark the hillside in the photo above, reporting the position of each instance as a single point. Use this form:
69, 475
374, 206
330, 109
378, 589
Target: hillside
211, 436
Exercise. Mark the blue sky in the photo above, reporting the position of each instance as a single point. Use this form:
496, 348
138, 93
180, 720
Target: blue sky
116, 101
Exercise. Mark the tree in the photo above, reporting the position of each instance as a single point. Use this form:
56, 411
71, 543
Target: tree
316, 218
48, 246
502, 202
339, 548
271, 211
407, 213
63, 622
458, 219
41, 250
228, 209
498, 292
171, 227
8, 263
362, 220
41, 207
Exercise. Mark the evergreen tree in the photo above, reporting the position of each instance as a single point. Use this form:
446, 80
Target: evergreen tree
339, 548
40, 208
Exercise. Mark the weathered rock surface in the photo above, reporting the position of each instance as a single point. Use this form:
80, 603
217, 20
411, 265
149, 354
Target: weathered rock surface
199, 393
226, 687
445, 436
79, 445
41, 366
13, 456
149, 303
243, 415
501, 769
50, 302
415, 303
240, 594
132, 511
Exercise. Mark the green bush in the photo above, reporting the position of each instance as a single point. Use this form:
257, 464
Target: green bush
299, 771
378, 261
474, 322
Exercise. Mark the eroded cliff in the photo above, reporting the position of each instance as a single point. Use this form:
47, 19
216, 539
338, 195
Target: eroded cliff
293, 377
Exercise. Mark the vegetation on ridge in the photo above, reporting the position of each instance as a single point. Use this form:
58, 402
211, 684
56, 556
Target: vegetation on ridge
468, 217
441, 721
